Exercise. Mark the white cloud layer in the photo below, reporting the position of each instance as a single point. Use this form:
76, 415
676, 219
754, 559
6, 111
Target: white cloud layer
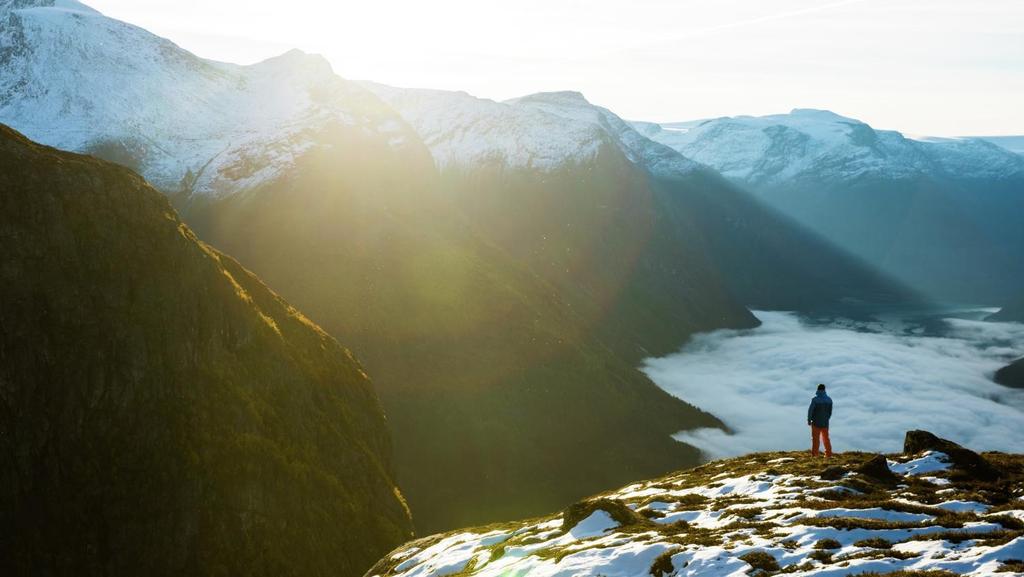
759, 382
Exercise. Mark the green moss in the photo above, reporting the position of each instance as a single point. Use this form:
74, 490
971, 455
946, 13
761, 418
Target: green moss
997, 537
827, 544
748, 514
1011, 566
821, 555
618, 511
1007, 521
874, 543
662, 564
848, 523
761, 560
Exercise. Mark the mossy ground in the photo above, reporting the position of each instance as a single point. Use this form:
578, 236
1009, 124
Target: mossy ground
766, 510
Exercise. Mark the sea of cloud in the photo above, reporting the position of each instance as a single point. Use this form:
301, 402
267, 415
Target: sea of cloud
883, 382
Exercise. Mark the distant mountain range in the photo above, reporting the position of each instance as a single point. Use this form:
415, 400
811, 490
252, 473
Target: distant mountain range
539, 150
163, 411
1011, 143
941, 215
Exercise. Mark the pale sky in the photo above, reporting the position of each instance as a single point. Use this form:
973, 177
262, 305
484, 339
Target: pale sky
929, 67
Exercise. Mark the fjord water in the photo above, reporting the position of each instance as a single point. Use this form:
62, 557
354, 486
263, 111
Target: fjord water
887, 372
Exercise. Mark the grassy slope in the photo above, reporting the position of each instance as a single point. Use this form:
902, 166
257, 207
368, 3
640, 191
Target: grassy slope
779, 512
503, 395
163, 412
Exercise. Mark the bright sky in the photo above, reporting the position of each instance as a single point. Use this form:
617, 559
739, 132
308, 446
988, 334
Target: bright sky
936, 67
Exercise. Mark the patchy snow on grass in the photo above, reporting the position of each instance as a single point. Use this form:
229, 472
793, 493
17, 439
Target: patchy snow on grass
964, 506
875, 513
734, 519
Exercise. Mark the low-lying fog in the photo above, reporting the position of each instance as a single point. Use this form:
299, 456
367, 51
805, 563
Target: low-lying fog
884, 378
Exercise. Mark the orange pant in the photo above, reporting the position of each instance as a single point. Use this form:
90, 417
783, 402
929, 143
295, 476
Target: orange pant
820, 433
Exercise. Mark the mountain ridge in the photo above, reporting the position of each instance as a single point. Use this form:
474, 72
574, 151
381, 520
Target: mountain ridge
935, 215
166, 412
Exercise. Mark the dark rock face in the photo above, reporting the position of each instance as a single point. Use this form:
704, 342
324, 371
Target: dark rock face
878, 468
964, 460
164, 412
1012, 375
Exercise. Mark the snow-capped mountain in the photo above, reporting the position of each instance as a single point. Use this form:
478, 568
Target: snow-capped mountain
544, 131
817, 144
941, 215
77, 80
1013, 143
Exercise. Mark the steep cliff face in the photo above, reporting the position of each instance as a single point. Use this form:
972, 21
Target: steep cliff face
164, 412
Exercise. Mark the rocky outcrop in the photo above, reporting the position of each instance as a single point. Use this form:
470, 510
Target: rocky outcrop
877, 467
965, 460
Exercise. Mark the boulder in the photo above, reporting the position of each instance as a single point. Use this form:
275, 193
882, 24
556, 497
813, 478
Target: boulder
833, 473
878, 468
964, 460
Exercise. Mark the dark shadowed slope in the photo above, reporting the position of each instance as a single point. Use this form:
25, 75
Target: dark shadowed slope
574, 192
770, 261
1012, 375
502, 395
1014, 311
941, 215
163, 412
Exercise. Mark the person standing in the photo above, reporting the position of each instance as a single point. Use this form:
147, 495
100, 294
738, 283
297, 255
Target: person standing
818, 415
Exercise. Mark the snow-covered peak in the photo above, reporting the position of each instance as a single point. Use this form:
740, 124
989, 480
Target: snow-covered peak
297, 62
66, 5
820, 144
544, 131
77, 80
556, 98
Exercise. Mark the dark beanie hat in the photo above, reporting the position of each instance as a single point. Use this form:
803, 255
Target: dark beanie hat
821, 386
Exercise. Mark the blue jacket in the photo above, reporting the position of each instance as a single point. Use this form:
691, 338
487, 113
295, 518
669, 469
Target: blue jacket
820, 410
